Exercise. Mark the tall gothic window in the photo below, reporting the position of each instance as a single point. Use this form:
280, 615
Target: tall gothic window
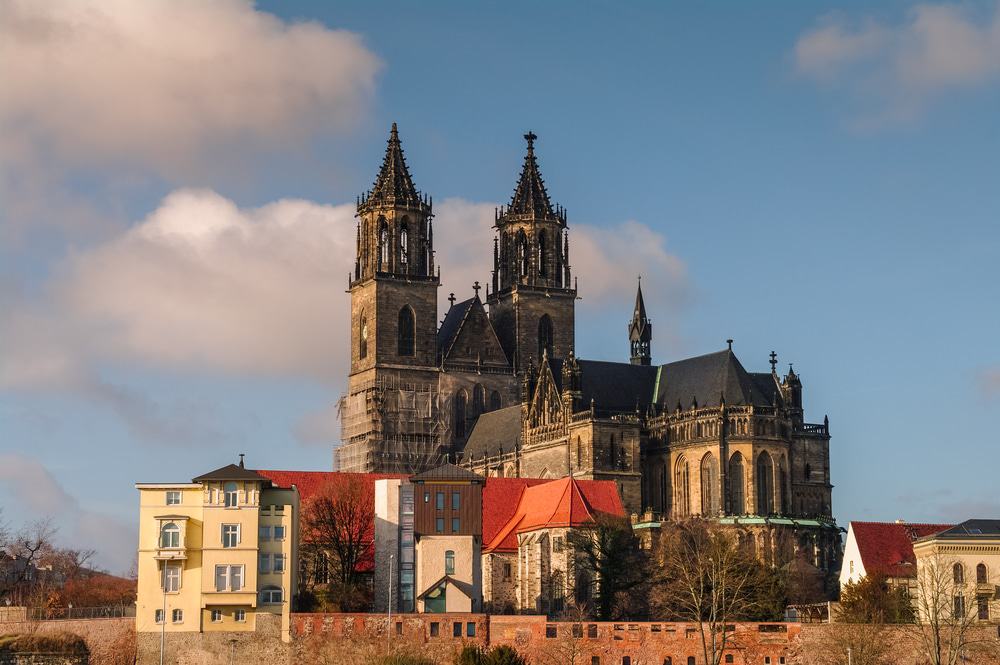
495, 401
404, 245
383, 247
523, 255
460, 403
958, 573
736, 485
709, 485
541, 253
406, 331
545, 335
681, 488
981, 576
765, 485
478, 400
362, 337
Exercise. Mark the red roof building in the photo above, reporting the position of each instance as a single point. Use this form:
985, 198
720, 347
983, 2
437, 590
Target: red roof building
885, 547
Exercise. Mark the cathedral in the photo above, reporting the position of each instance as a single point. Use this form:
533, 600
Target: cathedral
496, 384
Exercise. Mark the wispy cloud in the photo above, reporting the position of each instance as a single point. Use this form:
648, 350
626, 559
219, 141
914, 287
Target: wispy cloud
891, 72
989, 382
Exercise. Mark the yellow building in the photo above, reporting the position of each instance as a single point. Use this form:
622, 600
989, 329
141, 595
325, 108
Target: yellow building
958, 573
216, 552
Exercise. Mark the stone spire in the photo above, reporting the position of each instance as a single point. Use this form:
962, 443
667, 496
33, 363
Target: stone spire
530, 197
640, 331
393, 187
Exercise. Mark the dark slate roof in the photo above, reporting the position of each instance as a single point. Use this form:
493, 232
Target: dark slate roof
764, 384
393, 186
447, 472
707, 378
530, 196
231, 472
495, 431
975, 528
621, 387
453, 323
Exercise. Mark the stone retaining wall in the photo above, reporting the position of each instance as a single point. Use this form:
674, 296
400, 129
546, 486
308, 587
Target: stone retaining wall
111, 641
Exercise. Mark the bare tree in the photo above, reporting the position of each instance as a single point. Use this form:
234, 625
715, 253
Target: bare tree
857, 643
337, 528
705, 577
947, 615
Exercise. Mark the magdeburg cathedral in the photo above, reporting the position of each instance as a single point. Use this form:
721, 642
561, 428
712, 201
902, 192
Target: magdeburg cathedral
497, 386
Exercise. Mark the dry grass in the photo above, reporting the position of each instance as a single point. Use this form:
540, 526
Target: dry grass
60, 643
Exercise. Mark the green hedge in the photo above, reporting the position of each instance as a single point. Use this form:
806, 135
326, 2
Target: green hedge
60, 643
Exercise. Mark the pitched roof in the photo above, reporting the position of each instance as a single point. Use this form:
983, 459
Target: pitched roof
565, 502
887, 547
469, 319
530, 196
452, 324
393, 186
974, 528
494, 432
615, 386
230, 472
447, 472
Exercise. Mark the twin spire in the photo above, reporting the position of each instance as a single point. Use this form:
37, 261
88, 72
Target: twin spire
530, 196
393, 186
640, 331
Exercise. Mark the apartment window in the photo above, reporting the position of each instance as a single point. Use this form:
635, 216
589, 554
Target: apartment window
456, 525
171, 582
981, 577
279, 533
591, 630
230, 494
449, 563
177, 616
170, 536
439, 525
456, 500
230, 535
958, 572
439, 501
228, 578
158, 616
959, 607
506, 570
435, 628
456, 629
270, 595
216, 616
983, 605
470, 629
279, 563
173, 498
264, 563
240, 616
264, 533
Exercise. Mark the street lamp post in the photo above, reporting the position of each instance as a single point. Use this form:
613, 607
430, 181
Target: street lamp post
163, 615
388, 626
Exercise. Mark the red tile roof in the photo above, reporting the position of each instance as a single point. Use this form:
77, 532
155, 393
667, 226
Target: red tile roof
887, 547
556, 503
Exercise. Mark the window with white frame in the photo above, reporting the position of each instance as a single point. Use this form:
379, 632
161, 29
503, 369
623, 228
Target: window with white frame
279, 563
270, 595
158, 616
170, 580
279, 533
177, 616
230, 535
264, 564
173, 498
230, 491
264, 533
216, 616
228, 578
170, 536
240, 616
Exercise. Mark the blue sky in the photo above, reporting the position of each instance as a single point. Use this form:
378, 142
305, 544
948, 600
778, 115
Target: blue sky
815, 179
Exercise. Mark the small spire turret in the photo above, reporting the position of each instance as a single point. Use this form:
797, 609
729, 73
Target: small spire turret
640, 331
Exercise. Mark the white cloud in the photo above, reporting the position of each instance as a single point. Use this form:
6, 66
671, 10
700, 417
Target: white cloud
893, 72
164, 84
36, 493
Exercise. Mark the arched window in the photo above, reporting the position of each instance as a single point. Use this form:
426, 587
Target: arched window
404, 245
170, 536
449, 562
545, 336
579, 451
523, 255
270, 595
612, 452
495, 401
681, 488
362, 337
230, 493
958, 572
981, 576
383, 247
460, 402
737, 485
709, 485
478, 400
405, 331
782, 494
541, 253
765, 484
663, 488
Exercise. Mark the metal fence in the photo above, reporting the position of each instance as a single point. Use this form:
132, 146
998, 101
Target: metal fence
67, 613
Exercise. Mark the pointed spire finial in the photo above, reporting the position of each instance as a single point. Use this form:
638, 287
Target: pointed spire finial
530, 138
476, 287
242, 455
730, 343
774, 361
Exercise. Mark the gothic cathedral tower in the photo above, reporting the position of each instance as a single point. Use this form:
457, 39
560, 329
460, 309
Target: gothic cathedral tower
532, 303
393, 328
